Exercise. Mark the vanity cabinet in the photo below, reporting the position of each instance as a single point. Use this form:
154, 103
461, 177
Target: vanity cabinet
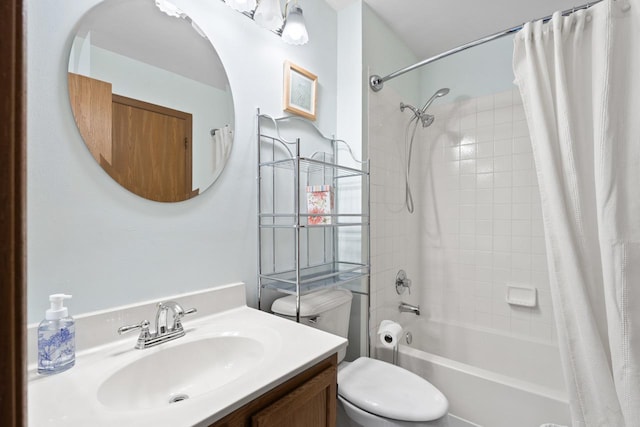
306, 400
313, 210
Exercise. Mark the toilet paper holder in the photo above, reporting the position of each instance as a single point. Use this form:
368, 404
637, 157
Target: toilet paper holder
390, 333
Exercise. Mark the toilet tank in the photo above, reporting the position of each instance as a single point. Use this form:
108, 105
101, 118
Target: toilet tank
327, 310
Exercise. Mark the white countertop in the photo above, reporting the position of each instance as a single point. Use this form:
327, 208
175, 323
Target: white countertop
71, 397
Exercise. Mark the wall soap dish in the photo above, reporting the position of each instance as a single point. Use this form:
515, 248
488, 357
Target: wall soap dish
522, 296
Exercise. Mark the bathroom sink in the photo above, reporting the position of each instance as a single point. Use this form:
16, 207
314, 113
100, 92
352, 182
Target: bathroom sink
230, 355
172, 374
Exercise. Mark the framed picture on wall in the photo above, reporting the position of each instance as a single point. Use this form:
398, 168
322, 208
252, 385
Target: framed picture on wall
300, 89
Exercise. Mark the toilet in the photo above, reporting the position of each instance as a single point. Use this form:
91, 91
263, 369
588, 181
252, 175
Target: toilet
371, 393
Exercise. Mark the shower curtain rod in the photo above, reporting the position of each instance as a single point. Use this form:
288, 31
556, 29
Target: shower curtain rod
377, 83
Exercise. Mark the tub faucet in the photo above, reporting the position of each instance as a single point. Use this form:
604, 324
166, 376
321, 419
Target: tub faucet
408, 308
165, 330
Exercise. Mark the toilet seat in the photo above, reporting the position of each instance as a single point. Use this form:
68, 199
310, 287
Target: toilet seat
389, 391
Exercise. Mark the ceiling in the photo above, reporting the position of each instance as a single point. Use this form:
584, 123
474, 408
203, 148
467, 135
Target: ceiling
430, 27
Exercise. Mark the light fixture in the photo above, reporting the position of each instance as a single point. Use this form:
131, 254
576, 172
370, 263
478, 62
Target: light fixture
294, 31
268, 14
242, 5
170, 9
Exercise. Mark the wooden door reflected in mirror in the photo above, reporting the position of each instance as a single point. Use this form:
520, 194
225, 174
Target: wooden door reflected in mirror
151, 148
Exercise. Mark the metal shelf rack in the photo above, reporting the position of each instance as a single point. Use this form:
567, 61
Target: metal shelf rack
300, 251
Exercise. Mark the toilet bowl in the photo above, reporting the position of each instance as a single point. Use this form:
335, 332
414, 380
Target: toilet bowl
371, 393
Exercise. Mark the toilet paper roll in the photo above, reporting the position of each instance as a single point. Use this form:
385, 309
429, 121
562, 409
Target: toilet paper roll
389, 333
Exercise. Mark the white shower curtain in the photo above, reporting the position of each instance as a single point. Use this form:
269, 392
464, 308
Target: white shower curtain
579, 77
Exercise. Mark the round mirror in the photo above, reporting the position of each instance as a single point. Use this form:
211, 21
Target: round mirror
151, 98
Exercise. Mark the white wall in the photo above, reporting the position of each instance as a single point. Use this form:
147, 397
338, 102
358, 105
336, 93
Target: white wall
349, 108
91, 238
478, 203
479, 71
477, 225
394, 232
385, 53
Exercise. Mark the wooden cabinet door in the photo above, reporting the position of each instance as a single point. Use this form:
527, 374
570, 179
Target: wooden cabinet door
313, 404
306, 400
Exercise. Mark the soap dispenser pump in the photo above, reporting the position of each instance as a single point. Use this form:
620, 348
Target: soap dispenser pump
56, 338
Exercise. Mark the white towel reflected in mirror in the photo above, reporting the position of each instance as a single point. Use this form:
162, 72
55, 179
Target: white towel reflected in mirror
222, 140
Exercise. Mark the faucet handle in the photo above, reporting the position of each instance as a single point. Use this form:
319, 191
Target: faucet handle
402, 282
143, 326
144, 336
178, 323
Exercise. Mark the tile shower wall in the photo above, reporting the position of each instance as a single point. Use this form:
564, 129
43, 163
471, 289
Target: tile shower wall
477, 225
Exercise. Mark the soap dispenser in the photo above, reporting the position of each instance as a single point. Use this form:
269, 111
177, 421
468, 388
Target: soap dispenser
56, 338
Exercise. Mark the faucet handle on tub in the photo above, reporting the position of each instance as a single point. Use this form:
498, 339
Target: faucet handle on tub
402, 282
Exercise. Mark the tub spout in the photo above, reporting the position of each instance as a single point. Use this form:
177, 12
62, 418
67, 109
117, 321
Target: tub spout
408, 308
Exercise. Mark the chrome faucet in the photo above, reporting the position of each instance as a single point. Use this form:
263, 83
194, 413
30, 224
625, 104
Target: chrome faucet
165, 330
408, 308
162, 324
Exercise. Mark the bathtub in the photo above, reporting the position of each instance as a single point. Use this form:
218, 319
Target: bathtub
491, 379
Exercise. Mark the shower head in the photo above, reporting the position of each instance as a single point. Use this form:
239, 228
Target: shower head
438, 94
426, 119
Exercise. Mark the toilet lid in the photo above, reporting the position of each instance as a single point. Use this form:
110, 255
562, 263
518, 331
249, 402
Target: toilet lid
389, 391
